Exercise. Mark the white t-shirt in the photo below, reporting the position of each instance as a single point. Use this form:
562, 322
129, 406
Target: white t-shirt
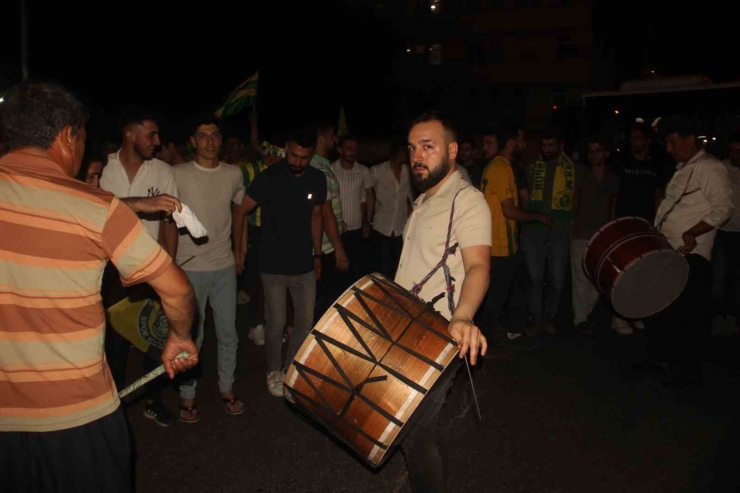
707, 197
153, 178
391, 197
209, 194
352, 186
426, 234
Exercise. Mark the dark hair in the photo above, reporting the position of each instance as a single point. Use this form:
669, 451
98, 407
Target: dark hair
643, 128
465, 139
681, 125
554, 132
322, 128
91, 156
734, 137
304, 137
204, 119
134, 115
34, 113
507, 133
601, 140
436, 116
345, 138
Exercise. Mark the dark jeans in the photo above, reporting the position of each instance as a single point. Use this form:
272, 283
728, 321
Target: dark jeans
420, 447
679, 335
547, 253
505, 273
85, 459
357, 249
331, 285
388, 253
726, 274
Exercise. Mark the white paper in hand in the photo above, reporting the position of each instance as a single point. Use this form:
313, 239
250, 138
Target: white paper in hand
187, 219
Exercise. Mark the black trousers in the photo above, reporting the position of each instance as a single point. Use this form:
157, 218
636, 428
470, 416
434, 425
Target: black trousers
505, 281
90, 458
421, 448
331, 285
679, 335
388, 253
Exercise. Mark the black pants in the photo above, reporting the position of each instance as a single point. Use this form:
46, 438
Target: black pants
92, 458
505, 281
726, 274
421, 448
357, 249
331, 285
388, 250
679, 335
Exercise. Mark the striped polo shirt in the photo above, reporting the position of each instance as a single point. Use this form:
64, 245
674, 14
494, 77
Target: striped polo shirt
57, 235
249, 172
332, 194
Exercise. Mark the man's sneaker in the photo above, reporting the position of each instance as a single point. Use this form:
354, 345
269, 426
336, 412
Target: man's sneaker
621, 326
521, 341
275, 381
639, 325
157, 412
257, 334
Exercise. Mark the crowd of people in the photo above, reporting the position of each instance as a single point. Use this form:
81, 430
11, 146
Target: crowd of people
483, 234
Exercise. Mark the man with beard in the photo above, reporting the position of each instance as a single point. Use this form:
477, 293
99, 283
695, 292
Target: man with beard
499, 188
554, 186
448, 216
147, 186
465, 161
291, 194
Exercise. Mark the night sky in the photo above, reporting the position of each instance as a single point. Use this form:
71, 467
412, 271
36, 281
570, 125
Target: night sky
313, 59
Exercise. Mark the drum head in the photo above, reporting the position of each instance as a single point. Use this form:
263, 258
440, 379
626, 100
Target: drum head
650, 283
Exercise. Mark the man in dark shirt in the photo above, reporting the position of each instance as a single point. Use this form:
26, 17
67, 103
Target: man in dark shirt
642, 177
290, 194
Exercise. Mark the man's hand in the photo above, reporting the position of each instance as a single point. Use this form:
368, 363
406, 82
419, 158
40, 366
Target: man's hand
239, 259
689, 243
468, 336
317, 268
158, 203
172, 348
366, 228
546, 219
342, 260
344, 227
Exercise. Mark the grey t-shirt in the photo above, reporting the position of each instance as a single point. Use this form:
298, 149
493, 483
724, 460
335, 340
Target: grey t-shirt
209, 194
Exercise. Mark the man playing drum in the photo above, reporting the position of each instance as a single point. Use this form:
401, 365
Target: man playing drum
698, 200
448, 216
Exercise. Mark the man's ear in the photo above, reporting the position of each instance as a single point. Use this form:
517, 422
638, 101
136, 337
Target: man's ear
452, 150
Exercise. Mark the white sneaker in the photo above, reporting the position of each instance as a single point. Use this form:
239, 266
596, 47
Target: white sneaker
275, 383
639, 325
257, 334
621, 326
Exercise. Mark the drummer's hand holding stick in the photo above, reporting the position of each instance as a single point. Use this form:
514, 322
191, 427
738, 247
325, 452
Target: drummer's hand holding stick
689, 237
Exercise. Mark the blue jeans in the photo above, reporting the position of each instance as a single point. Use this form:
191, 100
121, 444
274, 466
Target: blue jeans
219, 288
547, 254
303, 292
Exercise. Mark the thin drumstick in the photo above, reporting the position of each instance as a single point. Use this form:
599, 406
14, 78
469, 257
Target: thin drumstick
147, 378
472, 386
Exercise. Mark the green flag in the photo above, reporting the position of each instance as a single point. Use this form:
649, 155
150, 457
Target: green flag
342, 128
244, 95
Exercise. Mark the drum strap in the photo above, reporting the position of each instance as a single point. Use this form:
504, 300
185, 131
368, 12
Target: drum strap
442, 264
684, 194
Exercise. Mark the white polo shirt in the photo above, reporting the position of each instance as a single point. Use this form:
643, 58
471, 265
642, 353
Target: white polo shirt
153, 178
391, 197
707, 197
426, 233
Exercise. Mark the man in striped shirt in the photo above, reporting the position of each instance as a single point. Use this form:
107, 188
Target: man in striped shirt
61, 424
358, 203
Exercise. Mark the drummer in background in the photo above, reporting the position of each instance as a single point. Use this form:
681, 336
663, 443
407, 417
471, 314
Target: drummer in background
698, 200
599, 193
446, 200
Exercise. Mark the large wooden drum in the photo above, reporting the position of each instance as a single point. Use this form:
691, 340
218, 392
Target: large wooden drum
635, 267
366, 367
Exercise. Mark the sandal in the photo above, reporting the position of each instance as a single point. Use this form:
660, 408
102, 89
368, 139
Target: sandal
189, 409
231, 401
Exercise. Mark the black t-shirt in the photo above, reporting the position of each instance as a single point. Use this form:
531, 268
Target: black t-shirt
287, 202
639, 181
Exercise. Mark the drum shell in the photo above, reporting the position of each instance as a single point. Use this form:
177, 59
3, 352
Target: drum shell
412, 356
